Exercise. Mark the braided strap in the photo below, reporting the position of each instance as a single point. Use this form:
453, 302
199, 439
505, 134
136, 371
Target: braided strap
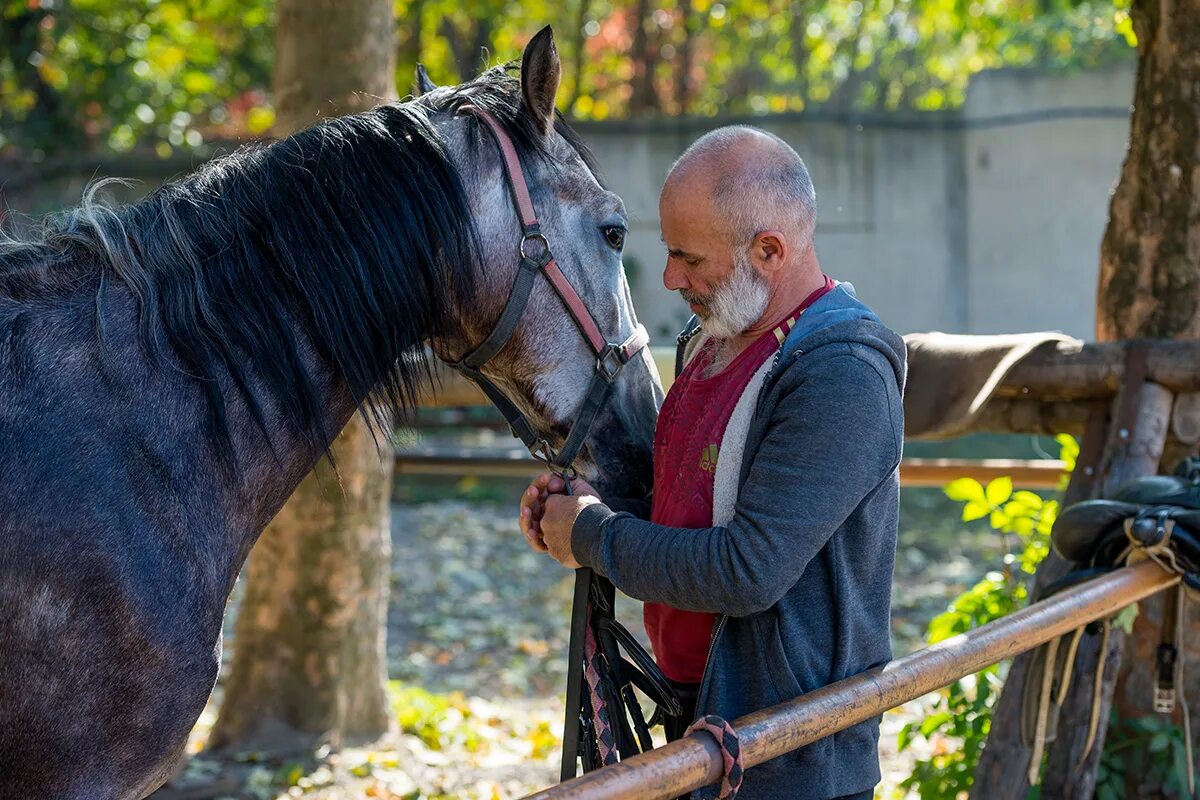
731, 752
605, 739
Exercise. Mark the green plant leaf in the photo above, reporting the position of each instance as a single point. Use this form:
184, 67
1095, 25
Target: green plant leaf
973, 511
999, 490
1029, 500
1068, 451
965, 490
1125, 617
931, 724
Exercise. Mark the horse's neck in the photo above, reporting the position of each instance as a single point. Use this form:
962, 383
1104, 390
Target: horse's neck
269, 471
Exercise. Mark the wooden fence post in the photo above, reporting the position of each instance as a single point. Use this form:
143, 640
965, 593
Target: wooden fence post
1136, 431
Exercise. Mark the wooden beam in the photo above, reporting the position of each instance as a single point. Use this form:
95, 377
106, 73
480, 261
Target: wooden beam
914, 472
1067, 372
690, 763
1064, 373
1014, 415
1040, 395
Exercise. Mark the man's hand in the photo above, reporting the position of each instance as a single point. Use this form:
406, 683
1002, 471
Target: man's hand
547, 516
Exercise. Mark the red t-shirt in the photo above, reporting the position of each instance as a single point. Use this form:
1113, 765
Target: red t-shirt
686, 446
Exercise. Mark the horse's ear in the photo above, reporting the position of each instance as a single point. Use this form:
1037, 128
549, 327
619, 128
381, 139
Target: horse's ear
424, 84
540, 74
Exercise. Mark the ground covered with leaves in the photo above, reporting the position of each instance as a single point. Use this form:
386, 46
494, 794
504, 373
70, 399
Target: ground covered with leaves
476, 644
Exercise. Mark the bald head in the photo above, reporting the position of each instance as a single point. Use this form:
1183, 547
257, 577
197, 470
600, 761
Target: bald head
755, 180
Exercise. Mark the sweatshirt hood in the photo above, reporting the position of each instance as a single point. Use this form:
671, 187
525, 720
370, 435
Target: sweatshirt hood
839, 316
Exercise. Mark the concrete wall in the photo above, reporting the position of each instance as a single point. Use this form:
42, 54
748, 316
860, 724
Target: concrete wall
984, 219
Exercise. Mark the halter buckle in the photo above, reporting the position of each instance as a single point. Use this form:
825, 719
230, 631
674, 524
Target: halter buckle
610, 362
542, 452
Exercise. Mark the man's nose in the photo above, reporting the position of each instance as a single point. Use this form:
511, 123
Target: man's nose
674, 277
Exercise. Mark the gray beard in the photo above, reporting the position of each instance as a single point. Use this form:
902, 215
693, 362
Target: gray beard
733, 307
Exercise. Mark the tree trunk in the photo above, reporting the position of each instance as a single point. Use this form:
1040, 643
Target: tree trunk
1150, 266
797, 30
1149, 280
1150, 256
579, 54
683, 74
467, 46
19, 35
643, 95
309, 657
409, 47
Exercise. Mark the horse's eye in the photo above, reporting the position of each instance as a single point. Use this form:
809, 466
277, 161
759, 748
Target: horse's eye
615, 236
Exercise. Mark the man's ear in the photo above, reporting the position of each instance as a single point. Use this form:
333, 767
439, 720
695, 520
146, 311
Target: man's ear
541, 71
769, 251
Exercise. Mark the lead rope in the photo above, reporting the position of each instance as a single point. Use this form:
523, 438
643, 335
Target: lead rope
731, 753
1180, 608
1043, 711
1097, 694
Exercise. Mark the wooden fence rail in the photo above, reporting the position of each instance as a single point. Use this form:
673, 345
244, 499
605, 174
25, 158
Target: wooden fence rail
693, 762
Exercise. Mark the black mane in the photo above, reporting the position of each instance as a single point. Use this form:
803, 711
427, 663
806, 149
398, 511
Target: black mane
354, 233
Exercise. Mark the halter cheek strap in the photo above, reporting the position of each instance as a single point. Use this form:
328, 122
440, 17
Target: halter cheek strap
536, 258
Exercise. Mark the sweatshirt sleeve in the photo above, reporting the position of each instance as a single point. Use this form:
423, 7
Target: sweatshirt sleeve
833, 437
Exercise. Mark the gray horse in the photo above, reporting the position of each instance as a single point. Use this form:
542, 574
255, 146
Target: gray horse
170, 370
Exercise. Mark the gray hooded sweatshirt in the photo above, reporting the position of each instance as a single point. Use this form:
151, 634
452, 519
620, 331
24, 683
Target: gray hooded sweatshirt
800, 576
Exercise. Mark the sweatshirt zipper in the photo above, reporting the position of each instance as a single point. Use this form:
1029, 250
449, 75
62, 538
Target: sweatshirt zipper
712, 646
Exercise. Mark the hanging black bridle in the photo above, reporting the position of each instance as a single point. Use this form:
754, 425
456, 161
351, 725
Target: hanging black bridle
598, 641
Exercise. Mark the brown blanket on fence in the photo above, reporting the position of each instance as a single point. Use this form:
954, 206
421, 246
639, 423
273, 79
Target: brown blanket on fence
952, 376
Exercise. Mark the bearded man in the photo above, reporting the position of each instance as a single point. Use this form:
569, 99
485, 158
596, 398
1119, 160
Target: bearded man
766, 564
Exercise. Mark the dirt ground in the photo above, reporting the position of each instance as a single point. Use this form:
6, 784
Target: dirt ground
476, 643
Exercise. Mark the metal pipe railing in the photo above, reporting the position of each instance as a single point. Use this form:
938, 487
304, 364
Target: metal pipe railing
688, 764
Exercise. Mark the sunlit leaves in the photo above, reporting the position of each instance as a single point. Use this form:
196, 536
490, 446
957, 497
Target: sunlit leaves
769, 56
960, 717
111, 74
85, 67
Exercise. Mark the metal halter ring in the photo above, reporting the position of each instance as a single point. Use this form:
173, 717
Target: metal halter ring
533, 235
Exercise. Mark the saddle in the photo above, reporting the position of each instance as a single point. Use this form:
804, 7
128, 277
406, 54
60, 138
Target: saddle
1154, 517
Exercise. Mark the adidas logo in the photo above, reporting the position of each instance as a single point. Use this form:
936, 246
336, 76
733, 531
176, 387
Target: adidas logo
708, 458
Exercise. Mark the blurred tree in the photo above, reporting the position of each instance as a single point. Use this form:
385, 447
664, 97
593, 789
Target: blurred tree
113, 73
309, 648
1150, 288
90, 74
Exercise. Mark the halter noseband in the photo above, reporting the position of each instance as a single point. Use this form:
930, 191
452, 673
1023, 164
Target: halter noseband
611, 357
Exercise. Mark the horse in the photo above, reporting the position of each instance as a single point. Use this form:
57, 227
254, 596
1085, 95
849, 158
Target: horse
172, 368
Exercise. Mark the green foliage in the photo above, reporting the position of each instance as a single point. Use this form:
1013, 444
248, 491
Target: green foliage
1152, 749
440, 721
115, 73
960, 715
90, 74
762, 56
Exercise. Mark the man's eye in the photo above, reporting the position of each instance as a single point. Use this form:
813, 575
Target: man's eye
615, 236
